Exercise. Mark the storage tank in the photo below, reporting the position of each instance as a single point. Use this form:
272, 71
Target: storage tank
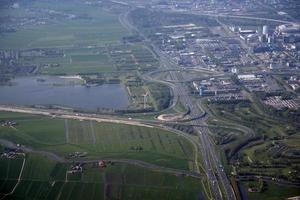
265, 30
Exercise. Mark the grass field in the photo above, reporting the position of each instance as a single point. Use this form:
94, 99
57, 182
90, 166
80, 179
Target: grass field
118, 181
132, 57
273, 192
117, 140
272, 152
96, 27
99, 140
91, 40
78, 61
10, 168
78, 37
93, 60
34, 131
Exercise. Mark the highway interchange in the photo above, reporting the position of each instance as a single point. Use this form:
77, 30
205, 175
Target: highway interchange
205, 148
219, 184
217, 177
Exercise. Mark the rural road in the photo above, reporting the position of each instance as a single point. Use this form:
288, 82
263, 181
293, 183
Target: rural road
139, 163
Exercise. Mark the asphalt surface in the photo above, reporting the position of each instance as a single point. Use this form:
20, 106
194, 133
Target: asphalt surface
215, 173
220, 185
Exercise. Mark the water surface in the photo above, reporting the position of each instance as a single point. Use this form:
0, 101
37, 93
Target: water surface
49, 90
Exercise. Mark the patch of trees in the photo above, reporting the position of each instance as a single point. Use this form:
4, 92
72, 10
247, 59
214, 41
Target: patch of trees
184, 128
101, 81
287, 115
132, 39
146, 18
284, 95
151, 109
161, 94
238, 147
4, 79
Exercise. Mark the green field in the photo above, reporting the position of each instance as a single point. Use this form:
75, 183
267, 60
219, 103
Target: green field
44, 178
95, 60
82, 39
117, 181
272, 149
91, 41
100, 140
132, 57
273, 192
78, 61
10, 168
92, 26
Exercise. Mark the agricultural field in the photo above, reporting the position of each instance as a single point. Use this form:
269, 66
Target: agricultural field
95, 60
63, 24
132, 57
77, 61
99, 140
90, 60
89, 38
75, 29
115, 181
33, 130
114, 141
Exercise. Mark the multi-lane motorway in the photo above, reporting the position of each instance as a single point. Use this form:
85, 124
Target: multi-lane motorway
219, 183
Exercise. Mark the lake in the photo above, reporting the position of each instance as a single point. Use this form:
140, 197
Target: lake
63, 91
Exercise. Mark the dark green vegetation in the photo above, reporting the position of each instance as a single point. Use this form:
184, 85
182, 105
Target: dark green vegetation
270, 191
147, 19
161, 95
99, 140
255, 142
247, 22
9, 173
46, 179
158, 95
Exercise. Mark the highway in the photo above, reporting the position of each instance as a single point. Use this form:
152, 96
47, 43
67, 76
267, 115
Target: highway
219, 182
217, 177
215, 173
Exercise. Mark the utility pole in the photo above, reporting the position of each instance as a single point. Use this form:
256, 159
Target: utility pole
145, 99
